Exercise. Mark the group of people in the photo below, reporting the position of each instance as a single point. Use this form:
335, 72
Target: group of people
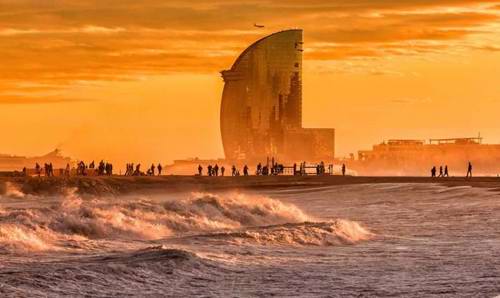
151, 171
274, 168
212, 170
443, 172
48, 169
103, 169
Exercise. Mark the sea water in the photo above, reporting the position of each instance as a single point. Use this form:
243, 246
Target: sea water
411, 240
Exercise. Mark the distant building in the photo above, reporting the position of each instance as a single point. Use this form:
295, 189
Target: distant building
261, 111
416, 157
17, 163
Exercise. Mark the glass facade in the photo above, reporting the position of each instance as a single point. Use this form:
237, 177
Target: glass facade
262, 99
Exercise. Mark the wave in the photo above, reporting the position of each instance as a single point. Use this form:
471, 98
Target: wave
10, 190
307, 233
71, 218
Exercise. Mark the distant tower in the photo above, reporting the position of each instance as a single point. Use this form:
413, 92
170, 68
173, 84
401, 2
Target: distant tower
261, 110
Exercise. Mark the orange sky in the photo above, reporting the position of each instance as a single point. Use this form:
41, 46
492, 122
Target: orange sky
138, 80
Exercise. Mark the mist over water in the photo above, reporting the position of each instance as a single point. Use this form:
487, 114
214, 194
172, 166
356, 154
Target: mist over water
378, 240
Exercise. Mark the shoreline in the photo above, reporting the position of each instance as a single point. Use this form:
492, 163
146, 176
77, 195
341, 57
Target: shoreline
120, 185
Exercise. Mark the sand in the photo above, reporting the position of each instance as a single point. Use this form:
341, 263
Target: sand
117, 185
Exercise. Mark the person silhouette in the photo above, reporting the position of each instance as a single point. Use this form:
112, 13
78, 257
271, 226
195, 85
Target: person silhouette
469, 170
209, 169
245, 170
222, 170
160, 168
200, 170
233, 171
216, 170
440, 171
433, 172
343, 169
446, 172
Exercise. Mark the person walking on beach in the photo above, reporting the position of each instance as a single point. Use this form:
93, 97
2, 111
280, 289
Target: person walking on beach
440, 171
222, 170
200, 170
446, 172
216, 170
233, 171
245, 170
159, 167
433, 172
209, 170
469, 170
343, 169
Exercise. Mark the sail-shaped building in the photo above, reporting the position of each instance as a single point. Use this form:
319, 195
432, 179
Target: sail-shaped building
261, 110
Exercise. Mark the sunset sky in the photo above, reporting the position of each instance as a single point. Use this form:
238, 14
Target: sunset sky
139, 80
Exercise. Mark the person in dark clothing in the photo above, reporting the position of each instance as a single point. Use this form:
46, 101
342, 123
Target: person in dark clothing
446, 174
210, 169
433, 172
152, 169
216, 170
160, 168
222, 170
245, 170
137, 171
259, 169
469, 170
200, 170
440, 171
343, 169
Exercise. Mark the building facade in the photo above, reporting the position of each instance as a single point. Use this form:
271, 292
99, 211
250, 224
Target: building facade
417, 157
261, 110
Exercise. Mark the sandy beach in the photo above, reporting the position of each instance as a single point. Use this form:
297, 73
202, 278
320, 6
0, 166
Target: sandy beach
117, 185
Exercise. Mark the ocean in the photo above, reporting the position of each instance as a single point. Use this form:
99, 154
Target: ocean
367, 240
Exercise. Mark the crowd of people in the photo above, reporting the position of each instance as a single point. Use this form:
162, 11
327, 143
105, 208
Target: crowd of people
271, 168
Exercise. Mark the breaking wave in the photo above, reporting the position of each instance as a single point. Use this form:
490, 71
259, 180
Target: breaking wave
307, 233
71, 218
10, 190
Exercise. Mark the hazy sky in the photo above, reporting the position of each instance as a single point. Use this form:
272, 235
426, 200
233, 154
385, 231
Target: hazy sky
138, 80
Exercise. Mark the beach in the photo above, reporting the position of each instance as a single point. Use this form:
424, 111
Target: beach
108, 185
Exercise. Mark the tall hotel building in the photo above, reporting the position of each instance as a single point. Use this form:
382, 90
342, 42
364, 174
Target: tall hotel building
261, 111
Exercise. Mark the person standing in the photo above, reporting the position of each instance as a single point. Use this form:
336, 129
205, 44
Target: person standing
446, 174
245, 170
200, 170
160, 168
343, 169
222, 170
